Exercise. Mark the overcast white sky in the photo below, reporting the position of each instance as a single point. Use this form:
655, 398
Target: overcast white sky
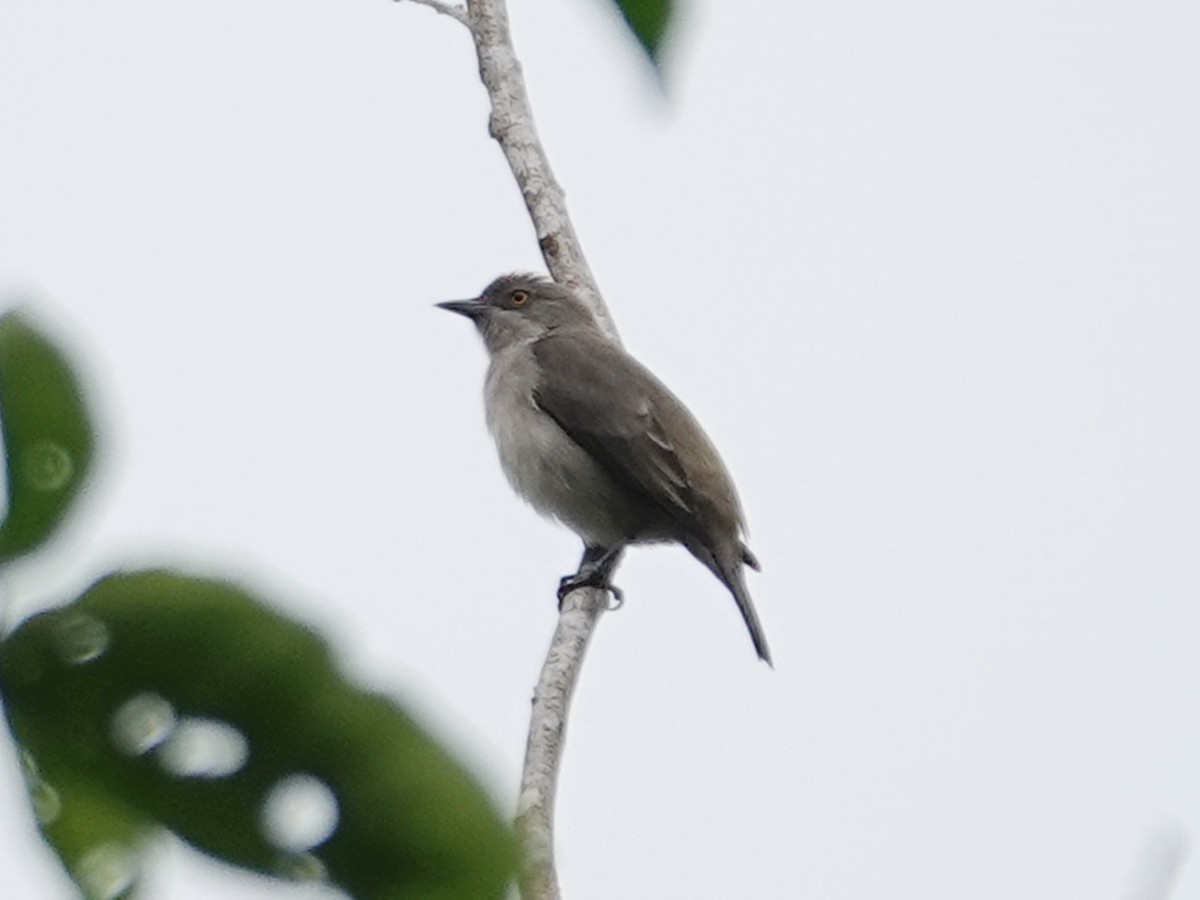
928, 273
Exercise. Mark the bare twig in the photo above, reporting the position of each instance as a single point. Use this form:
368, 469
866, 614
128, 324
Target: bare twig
543, 750
458, 13
511, 124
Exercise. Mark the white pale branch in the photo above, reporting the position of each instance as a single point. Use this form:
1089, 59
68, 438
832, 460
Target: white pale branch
581, 611
511, 124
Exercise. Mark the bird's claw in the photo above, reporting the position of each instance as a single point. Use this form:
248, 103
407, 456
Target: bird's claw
569, 583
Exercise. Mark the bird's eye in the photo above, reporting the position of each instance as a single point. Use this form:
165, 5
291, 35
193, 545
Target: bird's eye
520, 298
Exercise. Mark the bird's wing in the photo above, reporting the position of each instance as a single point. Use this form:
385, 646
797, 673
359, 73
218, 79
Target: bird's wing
616, 410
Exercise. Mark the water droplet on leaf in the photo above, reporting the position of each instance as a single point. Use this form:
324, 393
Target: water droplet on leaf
142, 723
107, 871
302, 867
47, 804
80, 638
48, 466
299, 813
203, 748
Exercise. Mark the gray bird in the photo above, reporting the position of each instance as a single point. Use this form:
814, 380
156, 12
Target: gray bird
589, 437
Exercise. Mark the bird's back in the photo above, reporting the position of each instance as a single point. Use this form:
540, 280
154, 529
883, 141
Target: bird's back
634, 426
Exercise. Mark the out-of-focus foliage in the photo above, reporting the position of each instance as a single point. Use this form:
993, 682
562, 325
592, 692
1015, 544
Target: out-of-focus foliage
648, 20
159, 699
47, 435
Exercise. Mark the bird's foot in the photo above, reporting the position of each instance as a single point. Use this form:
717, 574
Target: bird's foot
593, 579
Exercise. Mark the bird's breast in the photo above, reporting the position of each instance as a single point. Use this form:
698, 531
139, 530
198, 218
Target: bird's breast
548, 469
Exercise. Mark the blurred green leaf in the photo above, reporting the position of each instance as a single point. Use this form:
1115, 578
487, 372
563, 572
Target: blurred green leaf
47, 435
648, 20
99, 838
186, 702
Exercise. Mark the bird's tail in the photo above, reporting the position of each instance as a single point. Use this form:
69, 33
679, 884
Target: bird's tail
732, 574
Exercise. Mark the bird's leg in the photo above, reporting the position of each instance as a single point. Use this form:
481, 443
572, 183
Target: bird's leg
595, 568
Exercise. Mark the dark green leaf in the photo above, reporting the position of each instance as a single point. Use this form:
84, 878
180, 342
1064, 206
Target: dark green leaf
47, 435
186, 702
648, 20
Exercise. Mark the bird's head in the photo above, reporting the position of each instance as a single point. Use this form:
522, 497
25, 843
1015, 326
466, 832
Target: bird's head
521, 307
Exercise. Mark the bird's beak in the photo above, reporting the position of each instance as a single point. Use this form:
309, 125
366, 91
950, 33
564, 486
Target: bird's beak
472, 309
